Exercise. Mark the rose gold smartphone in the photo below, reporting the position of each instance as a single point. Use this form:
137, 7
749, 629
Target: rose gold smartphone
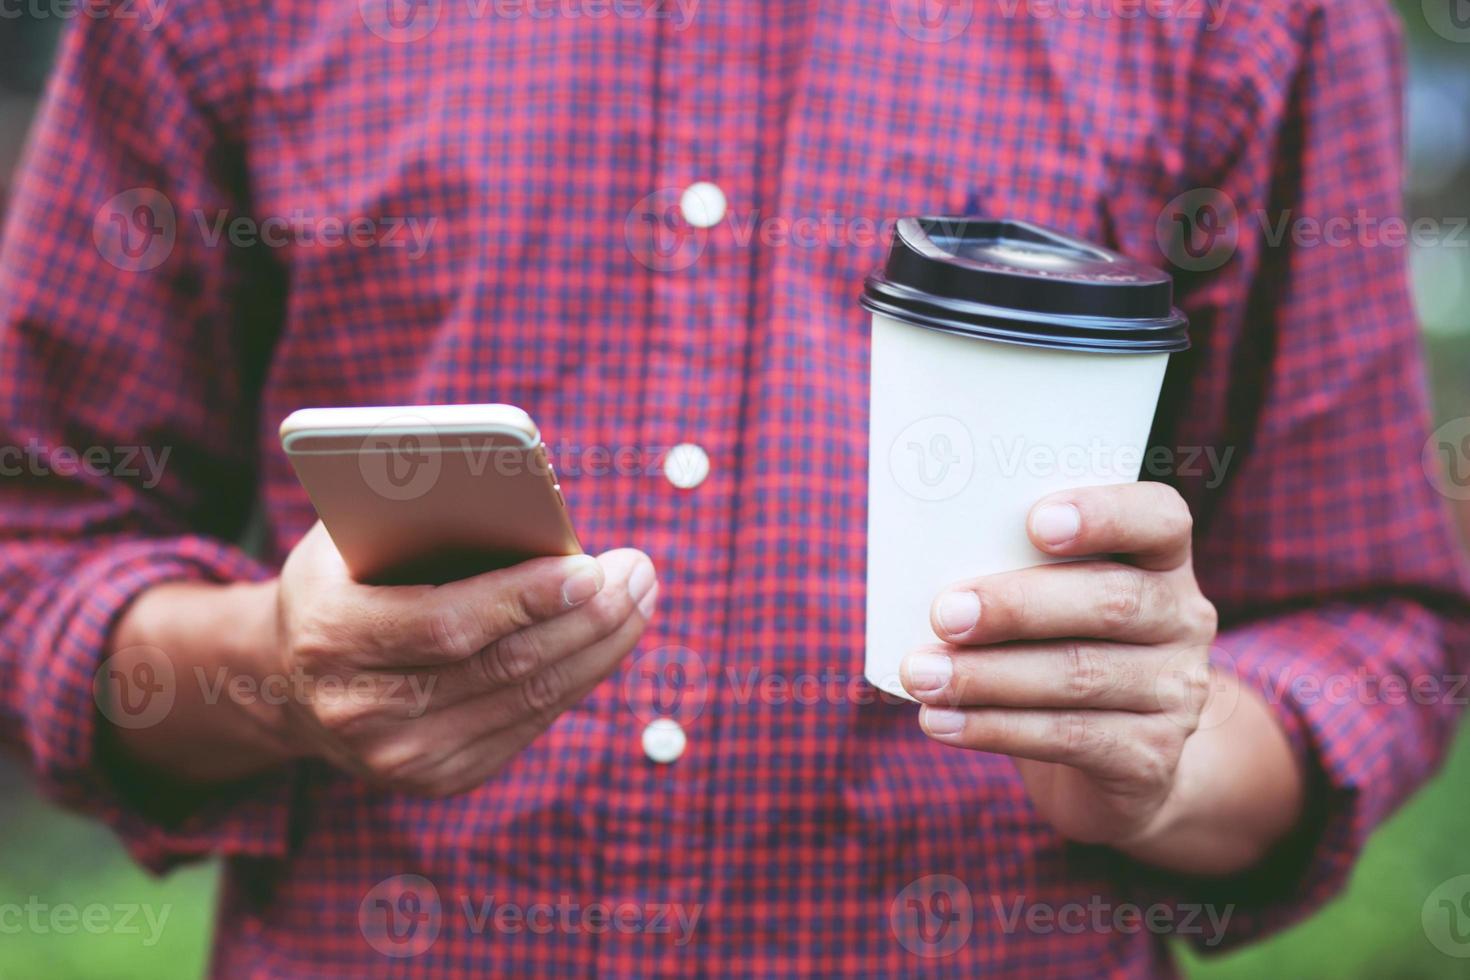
426, 494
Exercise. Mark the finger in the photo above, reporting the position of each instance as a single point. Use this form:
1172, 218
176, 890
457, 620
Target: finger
549, 691
1149, 523
397, 626
1070, 674
1107, 744
1100, 599
630, 586
491, 729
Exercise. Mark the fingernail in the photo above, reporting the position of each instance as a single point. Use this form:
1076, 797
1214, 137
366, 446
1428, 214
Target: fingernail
928, 672
942, 721
648, 603
641, 580
1056, 524
584, 582
957, 612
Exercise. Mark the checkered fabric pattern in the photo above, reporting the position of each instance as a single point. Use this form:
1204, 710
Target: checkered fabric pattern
540, 150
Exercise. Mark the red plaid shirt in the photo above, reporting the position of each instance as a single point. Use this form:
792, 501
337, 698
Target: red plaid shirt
808, 828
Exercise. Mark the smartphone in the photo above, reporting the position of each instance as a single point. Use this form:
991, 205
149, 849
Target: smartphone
426, 494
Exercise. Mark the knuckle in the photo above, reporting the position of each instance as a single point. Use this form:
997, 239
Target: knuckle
1074, 732
1005, 601
1171, 506
436, 777
1087, 673
1155, 757
1121, 597
1194, 689
341, 716
463, 771
509, 659
437, 781
1147, 766
1176, 693
541, 691
316, 641
1204, 616
394, 761
450, 635
1172, 513
513, 612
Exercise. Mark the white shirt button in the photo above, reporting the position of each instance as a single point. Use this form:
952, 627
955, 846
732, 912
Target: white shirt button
702, 204
686, 466
664, 740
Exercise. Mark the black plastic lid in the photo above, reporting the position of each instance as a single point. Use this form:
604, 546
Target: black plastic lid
1018, 283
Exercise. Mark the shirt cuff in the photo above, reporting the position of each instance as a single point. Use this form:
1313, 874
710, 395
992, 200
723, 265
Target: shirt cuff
1366, 702
59, 709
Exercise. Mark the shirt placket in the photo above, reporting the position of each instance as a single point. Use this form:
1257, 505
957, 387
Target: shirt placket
703, 199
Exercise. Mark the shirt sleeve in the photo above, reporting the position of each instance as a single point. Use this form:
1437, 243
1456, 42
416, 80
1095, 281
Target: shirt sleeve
130, 353
1327, 549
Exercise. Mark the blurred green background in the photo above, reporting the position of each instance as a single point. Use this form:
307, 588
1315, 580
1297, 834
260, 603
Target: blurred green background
50, 858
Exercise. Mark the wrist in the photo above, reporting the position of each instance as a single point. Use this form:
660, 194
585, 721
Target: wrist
254, 670
220, 642
1238, 792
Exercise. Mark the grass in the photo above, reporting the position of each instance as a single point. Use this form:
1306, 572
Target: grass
67, 873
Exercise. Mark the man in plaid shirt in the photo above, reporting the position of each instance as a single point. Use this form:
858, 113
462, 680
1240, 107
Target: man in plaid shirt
237, 208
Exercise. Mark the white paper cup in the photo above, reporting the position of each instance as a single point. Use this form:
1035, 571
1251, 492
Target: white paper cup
978, 411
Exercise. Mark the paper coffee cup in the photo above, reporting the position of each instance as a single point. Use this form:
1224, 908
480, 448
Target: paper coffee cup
1008, 362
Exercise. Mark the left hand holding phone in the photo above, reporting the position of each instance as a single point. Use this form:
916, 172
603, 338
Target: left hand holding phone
424, 689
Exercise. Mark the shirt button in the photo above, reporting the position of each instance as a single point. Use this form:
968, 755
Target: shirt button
664, 740
702, 204
686, 466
